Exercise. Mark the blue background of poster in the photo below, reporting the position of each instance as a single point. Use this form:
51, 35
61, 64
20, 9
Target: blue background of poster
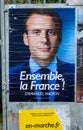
19, 53
67, 48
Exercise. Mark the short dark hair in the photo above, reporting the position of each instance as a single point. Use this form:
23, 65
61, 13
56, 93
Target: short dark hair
48, 12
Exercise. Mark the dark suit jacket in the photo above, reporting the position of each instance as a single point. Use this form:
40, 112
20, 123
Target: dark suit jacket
17, 95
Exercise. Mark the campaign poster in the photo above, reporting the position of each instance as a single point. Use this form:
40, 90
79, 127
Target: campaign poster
79, 86
45, 119
41, 55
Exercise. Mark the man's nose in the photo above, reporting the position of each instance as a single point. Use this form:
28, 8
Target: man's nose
44, 37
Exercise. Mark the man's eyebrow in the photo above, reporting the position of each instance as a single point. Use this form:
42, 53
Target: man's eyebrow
36, 29
43, 29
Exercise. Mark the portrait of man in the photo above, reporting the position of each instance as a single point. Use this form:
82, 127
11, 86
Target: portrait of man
42, 76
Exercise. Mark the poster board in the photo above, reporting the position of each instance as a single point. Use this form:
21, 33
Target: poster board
68, 114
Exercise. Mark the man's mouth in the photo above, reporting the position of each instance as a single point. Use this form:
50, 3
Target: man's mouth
44, 49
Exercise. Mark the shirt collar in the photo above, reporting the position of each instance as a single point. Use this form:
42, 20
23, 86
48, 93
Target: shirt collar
34, 67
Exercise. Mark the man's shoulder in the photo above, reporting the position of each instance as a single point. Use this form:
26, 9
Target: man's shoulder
14, 72
17, 68
65, 66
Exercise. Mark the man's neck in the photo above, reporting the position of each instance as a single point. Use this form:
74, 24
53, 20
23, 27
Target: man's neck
43, 63
34, 66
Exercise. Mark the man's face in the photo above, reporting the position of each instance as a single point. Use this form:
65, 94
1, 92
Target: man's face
42, 38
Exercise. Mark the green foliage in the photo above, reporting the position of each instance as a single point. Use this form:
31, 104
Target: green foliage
55, 1
51, 1
63, 1
8, 1
17, 1
21, 1
33, 1
37, 1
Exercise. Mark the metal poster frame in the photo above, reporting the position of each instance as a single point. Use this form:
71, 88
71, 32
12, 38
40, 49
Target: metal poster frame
11, 109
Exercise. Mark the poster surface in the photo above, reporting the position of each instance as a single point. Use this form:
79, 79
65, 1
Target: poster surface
41, 55
39, 119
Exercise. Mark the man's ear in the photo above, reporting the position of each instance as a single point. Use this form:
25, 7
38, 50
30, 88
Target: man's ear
25, 39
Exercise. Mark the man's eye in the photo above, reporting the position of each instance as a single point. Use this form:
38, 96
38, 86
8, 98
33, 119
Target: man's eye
51, 32
36, 32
